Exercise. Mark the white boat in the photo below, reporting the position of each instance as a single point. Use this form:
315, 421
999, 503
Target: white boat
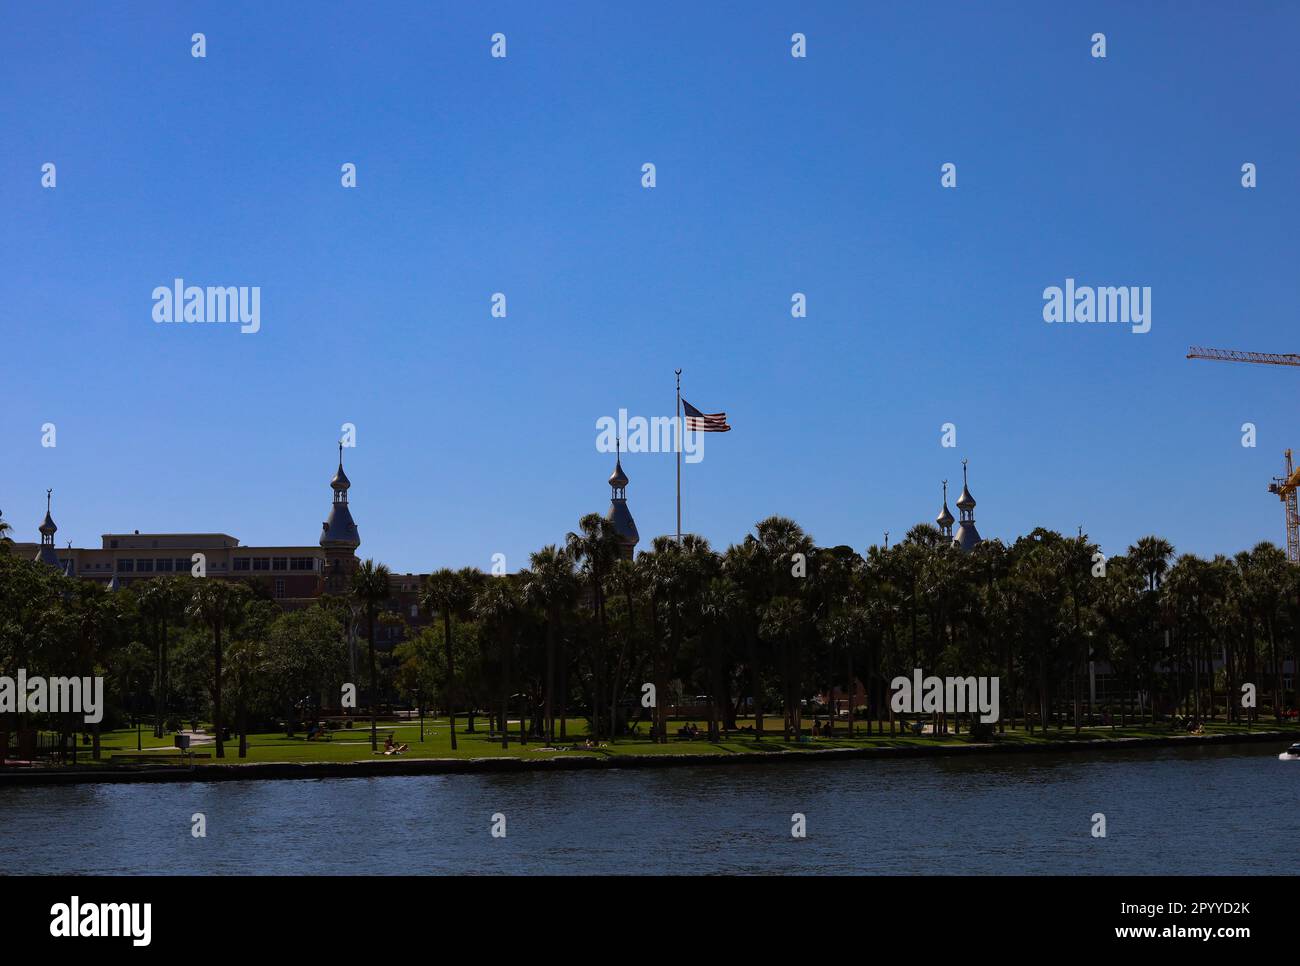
1291, 754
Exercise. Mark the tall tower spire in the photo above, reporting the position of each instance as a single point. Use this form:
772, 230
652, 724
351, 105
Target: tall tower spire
47, 553
618, 513
339, 537
945, 518
967, 536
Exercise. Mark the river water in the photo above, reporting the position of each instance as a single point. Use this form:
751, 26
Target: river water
1225, 810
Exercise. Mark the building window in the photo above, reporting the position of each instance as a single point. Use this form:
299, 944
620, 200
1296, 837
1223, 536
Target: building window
415, 610
163, 564
182, 564
279, 586
302, 563
279, 563
125, 566
242, 563
261, 563
144, 566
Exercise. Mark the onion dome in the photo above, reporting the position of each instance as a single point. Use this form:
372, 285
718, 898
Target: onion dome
340, 481
618, 479
47, 554
945, 519
965, 501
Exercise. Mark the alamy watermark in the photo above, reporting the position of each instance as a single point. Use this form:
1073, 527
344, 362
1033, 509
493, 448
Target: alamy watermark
84, 696
215, 303
1126, 305
75, 919
933, 695
658, 434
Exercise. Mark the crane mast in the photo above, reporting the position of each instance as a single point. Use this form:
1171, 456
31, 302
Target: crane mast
1285, 488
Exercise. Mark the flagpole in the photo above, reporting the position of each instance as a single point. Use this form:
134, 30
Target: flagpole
679, 455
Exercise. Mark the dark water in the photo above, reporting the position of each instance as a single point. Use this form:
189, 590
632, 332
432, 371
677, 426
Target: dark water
1200, 811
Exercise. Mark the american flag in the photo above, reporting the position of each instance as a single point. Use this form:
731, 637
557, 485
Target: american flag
704, 422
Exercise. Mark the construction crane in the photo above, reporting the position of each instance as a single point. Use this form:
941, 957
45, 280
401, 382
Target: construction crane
1284, 486
1234, 355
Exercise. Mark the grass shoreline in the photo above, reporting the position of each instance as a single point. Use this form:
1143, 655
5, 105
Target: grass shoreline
624, 754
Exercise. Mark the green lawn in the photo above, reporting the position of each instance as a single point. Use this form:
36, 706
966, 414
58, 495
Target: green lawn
354, 744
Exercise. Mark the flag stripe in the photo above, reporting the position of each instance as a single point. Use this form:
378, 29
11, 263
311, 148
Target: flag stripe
704, 422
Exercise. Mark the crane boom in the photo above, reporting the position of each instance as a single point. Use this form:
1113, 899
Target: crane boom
1236, 355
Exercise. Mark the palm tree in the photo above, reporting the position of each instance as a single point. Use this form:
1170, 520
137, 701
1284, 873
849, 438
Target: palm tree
595, 546
218, 604
248, 658
97, 616
160, 603
1269, 579
549, 584
745, 564
627, 578
665, 570
719, 605
1194, 588
783, 544
371, 589
497, 606
783, 625
448, 592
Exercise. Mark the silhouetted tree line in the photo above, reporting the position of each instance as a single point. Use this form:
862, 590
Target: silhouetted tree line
754, 632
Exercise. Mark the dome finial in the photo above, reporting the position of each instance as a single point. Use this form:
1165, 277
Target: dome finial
945, 518
47, 527
965, 501
967, 536
340, 483
618, 479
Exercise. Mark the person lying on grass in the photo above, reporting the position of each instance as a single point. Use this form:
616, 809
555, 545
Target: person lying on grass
391, 748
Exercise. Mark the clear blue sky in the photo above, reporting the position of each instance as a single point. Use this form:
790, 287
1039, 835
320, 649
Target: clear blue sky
775, 175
